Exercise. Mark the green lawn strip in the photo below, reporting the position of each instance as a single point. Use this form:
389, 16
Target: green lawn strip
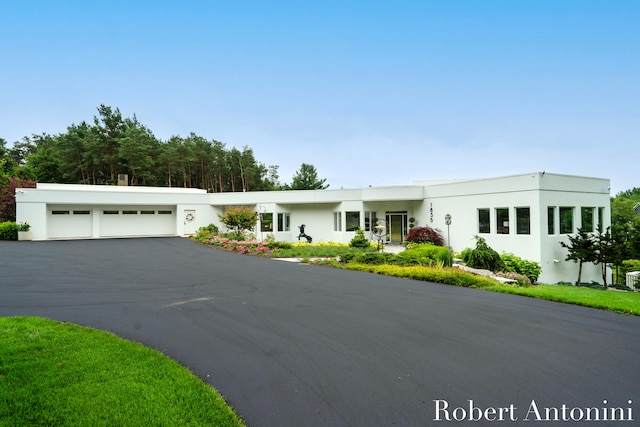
315, 251
617, 301
54, 373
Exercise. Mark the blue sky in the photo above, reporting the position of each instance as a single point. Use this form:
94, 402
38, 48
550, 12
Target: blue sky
369, 92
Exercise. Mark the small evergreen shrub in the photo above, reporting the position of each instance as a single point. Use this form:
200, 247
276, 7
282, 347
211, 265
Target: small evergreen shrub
279, 245
359, 241
8, 231
374, 258
425, 234
428, 250
207, 232
482, 256
515, 264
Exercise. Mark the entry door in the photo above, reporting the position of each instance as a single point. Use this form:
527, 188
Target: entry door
189, 222
397, 226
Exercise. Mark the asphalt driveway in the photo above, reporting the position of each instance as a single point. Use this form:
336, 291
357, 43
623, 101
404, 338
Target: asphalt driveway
298, 345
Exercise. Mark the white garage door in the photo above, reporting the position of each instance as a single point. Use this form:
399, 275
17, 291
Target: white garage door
131, 221
68, 223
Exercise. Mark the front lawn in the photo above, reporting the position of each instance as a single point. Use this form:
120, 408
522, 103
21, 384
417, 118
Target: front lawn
54, 373
622, 302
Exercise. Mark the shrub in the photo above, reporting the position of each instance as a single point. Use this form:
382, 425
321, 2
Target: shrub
359, 241
425, 234
482, 256
8, 231
235, 235
373, 258
208, 231
279, 245
515, 264
347, 256
427, 250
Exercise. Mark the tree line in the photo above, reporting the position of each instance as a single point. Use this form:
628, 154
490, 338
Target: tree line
97, 152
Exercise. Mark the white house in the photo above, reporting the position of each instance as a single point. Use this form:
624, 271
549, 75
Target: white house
527, 215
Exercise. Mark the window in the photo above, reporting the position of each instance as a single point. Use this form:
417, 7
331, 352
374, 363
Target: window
130, 212
587, 218
337, 221
110, 212
147, 212
164, 212
266, 222
523, 221
59, 212
551, 220
601, 219
352, 221
370, 219
81, 212
502, 220
484, 222
566, 220
284, 222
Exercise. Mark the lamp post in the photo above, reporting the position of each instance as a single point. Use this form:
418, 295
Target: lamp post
447, 220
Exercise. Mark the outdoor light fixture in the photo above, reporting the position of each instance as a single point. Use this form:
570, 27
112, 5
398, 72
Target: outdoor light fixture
447, 220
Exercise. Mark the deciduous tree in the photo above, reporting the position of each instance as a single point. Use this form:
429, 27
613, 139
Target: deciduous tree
239, 218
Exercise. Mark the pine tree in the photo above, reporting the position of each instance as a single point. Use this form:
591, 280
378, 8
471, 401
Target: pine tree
581, 249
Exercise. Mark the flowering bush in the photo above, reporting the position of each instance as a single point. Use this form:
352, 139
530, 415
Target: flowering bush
250, 247
24, 226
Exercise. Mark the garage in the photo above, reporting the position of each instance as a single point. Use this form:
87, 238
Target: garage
78, 222
70, 223
137, 221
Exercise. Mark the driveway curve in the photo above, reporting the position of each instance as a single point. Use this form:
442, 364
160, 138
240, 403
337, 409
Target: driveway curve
298, 345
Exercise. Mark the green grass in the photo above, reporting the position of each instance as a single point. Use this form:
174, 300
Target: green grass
54, 373
312, 251
617, 301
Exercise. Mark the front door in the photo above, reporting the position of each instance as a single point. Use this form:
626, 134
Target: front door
189, 222
396, 226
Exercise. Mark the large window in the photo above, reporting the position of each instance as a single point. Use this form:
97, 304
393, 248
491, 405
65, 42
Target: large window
369, 220
337, 221
523, 221
352, 221
551, 219
502, 220
484, 221
586, 215
284, 222
566, 220
266, 222
601, 219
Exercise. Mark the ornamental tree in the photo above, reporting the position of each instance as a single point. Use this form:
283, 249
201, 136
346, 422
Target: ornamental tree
581, 250
239, 218
425, 234
8, 196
